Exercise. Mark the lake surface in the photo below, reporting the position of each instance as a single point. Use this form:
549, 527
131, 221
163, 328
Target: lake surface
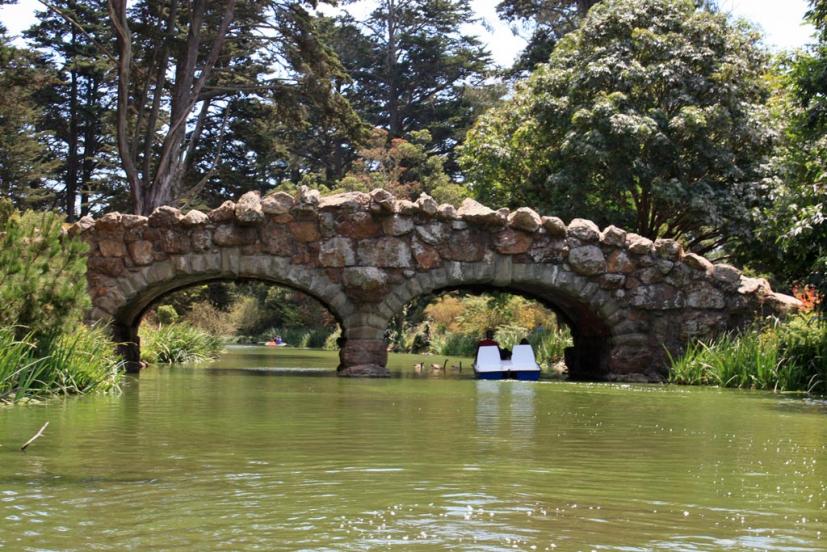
267, 450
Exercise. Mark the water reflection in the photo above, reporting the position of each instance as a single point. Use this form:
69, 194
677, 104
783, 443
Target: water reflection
194, 459
506, 409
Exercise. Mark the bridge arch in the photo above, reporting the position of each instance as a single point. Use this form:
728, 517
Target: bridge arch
592, 315
628, 300
133, 294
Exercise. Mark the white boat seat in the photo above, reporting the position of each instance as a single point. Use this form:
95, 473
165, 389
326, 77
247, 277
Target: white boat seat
488, 359
522, 359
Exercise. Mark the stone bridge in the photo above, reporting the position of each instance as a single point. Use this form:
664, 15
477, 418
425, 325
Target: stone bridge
627, 300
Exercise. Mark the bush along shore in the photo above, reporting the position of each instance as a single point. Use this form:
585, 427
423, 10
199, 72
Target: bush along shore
782, 356
45, 349
68, 363
178, 342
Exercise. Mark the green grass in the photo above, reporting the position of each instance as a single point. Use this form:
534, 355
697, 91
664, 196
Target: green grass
789, 356
178, 343
75, 363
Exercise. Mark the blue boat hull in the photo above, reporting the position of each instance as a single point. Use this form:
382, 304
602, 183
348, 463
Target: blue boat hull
528, 375
490, 375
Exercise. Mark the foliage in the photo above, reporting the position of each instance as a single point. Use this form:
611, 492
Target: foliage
24, 158
790, 356
550, 344
544, 22
166, 314
204, 315
411, 64
178, 343
71, 363
650, 116
458, 322
454, 344
77, 106
792, 236
42, 275
331, 342
403, 167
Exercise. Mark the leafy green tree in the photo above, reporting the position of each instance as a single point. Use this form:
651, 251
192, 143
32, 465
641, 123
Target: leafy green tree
181, 65
545, 22
25, 160
792, 242
42, 274
650, 116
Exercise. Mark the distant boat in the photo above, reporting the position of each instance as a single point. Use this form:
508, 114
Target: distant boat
522, 366
272, 343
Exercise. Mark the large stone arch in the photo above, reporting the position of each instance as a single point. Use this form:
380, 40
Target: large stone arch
593, 315
630, 301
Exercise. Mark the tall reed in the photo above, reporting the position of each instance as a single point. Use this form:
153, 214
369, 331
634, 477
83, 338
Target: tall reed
785, 356
73, 363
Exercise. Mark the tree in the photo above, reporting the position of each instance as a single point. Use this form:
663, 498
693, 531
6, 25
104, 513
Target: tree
25, 161
411, 66
403, 167
78, 106
42, 274
792, 236
179, 66
651, 116
546, 22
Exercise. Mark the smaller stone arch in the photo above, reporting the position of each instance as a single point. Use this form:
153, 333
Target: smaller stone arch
124, 305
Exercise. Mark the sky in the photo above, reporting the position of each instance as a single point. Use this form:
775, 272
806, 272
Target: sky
780, 20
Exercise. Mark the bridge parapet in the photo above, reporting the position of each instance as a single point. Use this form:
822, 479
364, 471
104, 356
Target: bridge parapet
628, 299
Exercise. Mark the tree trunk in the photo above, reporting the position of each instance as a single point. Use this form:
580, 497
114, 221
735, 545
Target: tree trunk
394, 126
91, 143
72, 162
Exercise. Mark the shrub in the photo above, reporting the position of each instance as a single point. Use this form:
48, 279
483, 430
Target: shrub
509, 335
42, 276
802, 343
454, 344
178, 343
331, 342
214, 321
550, 344
166, 314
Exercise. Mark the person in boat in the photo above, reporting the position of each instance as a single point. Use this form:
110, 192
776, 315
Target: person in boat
488, 341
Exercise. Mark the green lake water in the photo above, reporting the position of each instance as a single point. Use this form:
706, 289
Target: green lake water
268, 450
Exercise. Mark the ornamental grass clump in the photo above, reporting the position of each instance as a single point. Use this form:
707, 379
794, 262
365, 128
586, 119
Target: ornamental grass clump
786, 356
70, 363
178, 343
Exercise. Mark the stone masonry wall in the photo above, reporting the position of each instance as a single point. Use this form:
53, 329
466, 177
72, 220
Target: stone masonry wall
628, 299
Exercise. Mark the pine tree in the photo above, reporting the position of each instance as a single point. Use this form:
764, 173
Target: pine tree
411, 66
25, 162
78, 106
